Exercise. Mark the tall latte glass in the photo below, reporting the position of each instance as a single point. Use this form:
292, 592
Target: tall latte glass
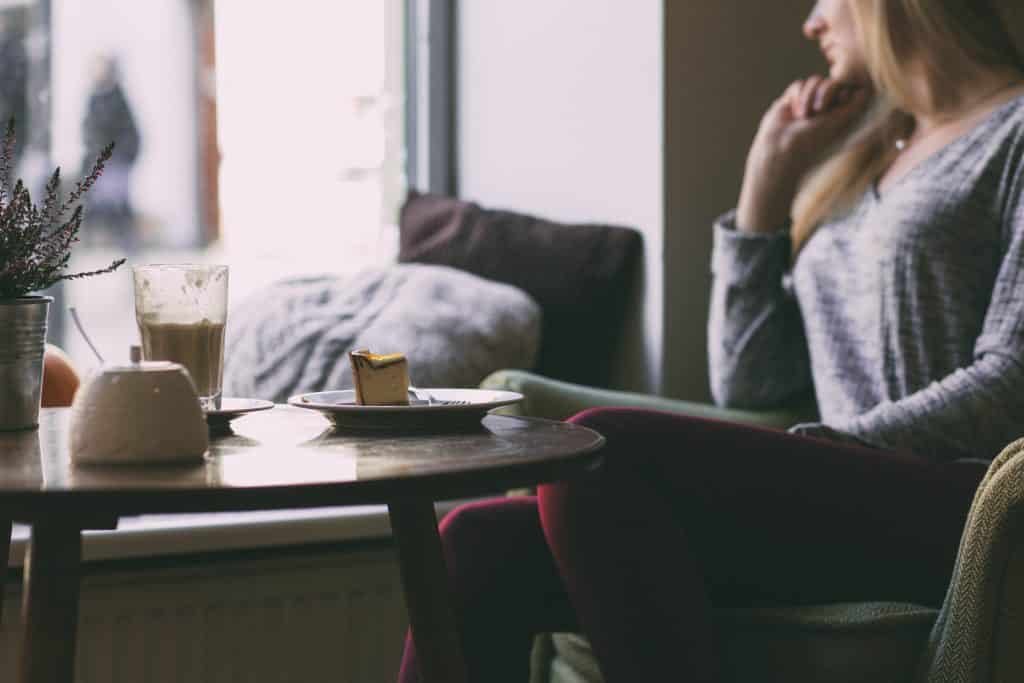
181, 311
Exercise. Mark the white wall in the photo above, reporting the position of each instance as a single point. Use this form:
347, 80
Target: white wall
560, 114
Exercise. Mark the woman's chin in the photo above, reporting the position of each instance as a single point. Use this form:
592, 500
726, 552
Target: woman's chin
837, 72
855, 78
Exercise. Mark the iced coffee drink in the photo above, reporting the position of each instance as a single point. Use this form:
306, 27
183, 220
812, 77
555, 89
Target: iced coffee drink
181, 311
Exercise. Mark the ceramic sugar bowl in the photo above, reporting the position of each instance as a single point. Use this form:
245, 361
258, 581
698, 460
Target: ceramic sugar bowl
143, 412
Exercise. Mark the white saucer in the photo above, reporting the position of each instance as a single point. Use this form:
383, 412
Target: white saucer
230, 408
449, 408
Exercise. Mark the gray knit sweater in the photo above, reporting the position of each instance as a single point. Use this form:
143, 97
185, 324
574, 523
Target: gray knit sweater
905, 315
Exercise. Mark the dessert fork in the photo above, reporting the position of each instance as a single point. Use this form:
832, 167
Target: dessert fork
424, 395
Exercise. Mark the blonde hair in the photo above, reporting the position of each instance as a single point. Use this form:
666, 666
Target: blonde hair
985, 32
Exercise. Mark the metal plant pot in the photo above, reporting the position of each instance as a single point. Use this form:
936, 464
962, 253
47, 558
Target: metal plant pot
22, 344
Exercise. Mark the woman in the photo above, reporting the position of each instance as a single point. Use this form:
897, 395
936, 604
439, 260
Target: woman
895, 294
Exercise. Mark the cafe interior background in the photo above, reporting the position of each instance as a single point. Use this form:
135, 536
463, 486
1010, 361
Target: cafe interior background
281, 138
229, 147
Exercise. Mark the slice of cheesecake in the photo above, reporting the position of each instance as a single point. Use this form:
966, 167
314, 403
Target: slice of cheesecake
380, 379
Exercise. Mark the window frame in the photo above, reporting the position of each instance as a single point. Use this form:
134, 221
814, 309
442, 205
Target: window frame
430, 61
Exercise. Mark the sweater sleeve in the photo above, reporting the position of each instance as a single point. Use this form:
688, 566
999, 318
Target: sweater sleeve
976, 410
757, 350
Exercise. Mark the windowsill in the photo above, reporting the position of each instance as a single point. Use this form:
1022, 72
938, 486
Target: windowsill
151, 536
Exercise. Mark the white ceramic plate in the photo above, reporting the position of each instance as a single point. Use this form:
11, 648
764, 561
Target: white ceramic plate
448, 408
230, 408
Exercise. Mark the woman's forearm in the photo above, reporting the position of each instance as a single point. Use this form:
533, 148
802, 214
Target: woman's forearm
756, 347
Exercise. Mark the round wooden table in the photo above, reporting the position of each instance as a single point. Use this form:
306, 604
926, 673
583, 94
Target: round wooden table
283, 458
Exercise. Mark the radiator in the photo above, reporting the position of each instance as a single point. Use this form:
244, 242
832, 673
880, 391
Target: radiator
318, 616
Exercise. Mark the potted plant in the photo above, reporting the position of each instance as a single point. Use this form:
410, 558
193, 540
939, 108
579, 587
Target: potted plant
35, 246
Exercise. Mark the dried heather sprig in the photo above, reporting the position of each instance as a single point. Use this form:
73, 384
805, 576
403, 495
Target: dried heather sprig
36, 241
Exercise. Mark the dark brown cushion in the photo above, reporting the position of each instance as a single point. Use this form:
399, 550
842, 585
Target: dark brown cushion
580, 275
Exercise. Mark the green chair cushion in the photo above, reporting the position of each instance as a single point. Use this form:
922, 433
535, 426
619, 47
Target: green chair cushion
556, 400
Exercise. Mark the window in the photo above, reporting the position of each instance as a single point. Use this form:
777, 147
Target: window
269, 136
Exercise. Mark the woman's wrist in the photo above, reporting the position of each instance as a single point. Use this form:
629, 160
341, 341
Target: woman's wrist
764, 213
766, 198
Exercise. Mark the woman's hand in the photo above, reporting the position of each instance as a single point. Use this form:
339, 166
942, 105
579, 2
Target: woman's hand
823, 431
799, 126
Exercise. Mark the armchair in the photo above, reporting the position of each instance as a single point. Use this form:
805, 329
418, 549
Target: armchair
971, 639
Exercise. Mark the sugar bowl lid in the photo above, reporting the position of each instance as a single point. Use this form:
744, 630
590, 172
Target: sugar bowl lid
136, 364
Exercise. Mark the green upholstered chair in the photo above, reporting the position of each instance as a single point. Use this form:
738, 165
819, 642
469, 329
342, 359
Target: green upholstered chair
976, 637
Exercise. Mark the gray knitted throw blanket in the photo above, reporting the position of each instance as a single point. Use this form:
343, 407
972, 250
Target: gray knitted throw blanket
454, 327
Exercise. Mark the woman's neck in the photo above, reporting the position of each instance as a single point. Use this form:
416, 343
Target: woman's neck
932, 128
964, 96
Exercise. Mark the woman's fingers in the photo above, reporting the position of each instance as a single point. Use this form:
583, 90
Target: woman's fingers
807, 93
792, 94
854, 101
788, 99
840, 116
815, 95
807, 115
814, 134
827, 95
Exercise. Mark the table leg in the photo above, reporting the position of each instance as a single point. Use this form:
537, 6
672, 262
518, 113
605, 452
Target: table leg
427, 595
6, 529
50, 606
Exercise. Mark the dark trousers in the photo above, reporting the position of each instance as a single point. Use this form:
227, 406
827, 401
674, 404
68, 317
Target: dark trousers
686, 514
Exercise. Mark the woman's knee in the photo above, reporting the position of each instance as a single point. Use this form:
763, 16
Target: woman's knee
482, 533
626, 427
473, 522
637, 442
643, 448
